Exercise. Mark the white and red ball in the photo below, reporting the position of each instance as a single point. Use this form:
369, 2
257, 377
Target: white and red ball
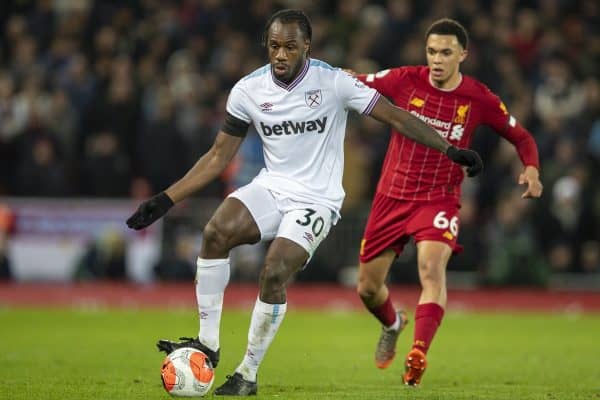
187, 372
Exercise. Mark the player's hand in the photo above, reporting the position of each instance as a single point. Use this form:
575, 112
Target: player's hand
466, 157
531, 178
349, 71
149, 211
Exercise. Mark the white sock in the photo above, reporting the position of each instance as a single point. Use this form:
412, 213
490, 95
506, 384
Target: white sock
212, 277
265, 322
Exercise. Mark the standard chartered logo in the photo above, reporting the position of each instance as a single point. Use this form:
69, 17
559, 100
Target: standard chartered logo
442, 127
294, 127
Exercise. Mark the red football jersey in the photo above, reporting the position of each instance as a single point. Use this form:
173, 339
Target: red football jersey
412, 171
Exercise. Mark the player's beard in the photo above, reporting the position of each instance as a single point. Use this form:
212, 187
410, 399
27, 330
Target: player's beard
291, 73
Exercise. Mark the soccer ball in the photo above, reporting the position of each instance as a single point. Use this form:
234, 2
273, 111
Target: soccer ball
187, 372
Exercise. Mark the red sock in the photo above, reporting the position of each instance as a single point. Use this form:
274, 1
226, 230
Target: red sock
428, 318
385, 312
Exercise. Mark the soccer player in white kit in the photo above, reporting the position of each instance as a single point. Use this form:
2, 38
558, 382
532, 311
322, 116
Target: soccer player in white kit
299, 107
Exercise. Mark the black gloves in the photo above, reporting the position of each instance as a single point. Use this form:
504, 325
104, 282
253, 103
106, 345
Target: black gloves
466, 157
149, 211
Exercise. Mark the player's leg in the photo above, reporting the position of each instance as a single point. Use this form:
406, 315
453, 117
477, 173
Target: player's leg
371, 286
432, 259
384, 238
233, 223
435, 228
374, 294
284, 258
299, 235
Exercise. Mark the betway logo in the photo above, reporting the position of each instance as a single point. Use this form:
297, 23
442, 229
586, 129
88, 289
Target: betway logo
294, 128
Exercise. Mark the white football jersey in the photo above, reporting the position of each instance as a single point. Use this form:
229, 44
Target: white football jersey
302, 127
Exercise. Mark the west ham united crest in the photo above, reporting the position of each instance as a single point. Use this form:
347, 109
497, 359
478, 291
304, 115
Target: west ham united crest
313, 98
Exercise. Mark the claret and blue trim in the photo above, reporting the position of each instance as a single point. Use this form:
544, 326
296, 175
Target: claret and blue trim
296, 81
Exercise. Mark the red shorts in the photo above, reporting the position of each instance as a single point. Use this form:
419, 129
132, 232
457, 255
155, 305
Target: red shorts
392, 222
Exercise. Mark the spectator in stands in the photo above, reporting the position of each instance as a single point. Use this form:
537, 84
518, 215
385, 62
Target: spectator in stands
104, 258
163, 167
106, 168
569, 236
78, 82
559, 95
513, 254
62, 123
176, 263
41, 171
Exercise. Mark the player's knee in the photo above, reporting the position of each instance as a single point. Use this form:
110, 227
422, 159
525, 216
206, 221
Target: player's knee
367, 288
432, 273
277, 271
272, 278
217, 238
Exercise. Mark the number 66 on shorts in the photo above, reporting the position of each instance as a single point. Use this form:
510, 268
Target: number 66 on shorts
392, 222
438, 222
441, 222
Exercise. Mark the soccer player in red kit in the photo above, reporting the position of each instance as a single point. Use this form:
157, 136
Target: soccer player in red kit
419, 189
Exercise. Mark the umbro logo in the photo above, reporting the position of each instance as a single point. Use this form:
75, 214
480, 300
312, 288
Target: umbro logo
266, 107
309, 238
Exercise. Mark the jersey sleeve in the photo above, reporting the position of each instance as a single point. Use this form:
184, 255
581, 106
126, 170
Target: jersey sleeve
354, 94
237, 103
383, 81
496, 115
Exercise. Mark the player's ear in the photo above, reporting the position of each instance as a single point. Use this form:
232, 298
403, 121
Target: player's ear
306, 48
463, 55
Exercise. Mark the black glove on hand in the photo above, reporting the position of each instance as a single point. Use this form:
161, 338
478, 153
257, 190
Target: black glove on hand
149, 211
466, 157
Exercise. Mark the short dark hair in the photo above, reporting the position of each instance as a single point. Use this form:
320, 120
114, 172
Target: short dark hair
288, 16
447, 26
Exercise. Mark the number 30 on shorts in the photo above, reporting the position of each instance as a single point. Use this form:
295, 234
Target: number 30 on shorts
317, 225
441, 222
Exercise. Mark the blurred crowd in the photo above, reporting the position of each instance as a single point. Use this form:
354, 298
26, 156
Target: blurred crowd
120, 98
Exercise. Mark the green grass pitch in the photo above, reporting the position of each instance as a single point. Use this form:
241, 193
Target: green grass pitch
107, 354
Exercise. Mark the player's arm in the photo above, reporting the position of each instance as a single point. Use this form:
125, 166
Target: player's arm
496, 115
417, 130
527, 149
206, 169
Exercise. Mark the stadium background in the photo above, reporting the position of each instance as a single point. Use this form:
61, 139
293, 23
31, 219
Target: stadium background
103, 103
114, 100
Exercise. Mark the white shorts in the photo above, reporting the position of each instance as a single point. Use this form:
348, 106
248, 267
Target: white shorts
279, 216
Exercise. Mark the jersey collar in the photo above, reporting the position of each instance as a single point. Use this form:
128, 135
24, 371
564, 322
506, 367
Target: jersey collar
444, 90
296, 81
